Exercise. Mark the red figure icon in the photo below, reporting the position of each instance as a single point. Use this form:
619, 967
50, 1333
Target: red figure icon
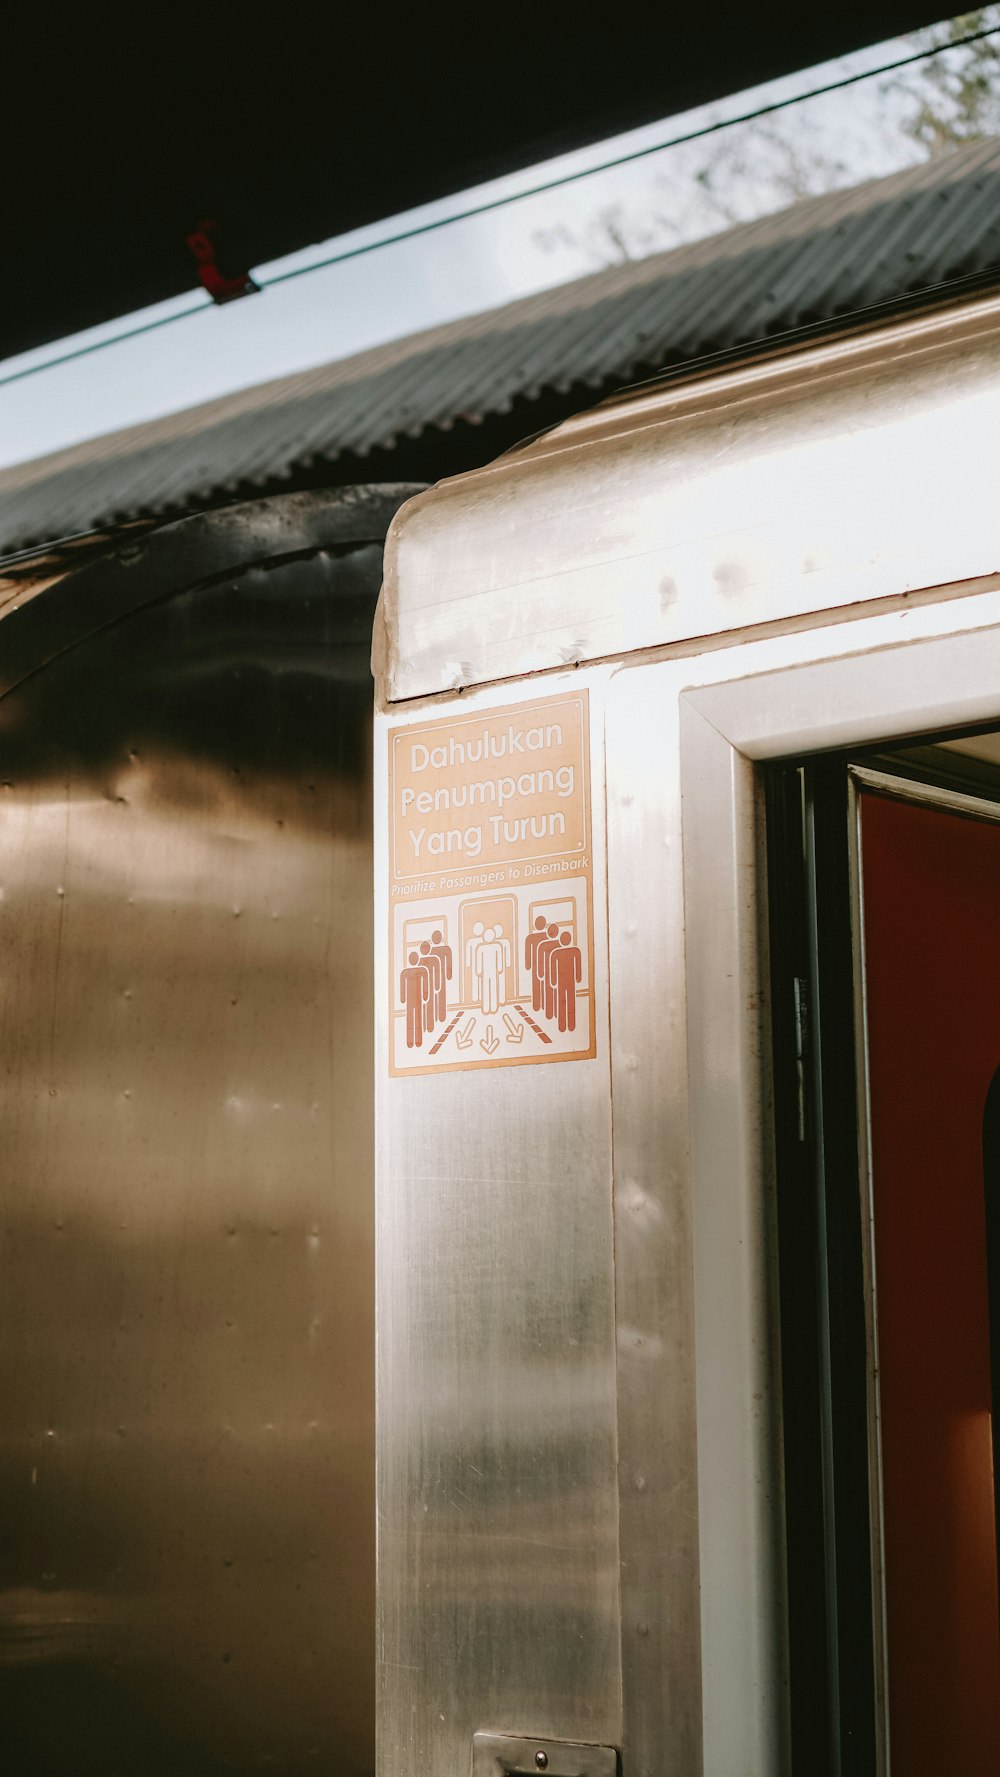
565, 970
543, 950
435, 969
442, 952
531, 944
414, 991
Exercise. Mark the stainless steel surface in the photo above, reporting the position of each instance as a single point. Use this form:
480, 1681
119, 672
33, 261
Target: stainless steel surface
497, 1483
468, 1246
186, 1310
141, 569
501, 1755
830, 476
654, 1280
756, 497
534, 361
743, 1639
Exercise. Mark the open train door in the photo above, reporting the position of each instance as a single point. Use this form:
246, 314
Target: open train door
931, 887
896, 1118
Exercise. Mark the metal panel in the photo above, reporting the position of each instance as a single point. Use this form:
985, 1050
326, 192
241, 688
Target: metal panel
654, 1302
499, 1755
186, 1312
558, 349
738, 1361
497, 1484
204, 546
708, 509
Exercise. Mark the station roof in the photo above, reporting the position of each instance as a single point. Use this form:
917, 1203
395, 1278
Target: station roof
452, 397
125, 128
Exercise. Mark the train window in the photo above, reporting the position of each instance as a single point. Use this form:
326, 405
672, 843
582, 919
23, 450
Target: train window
886, 945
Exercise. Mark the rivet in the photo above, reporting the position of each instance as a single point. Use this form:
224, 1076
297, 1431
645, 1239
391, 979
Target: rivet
640, 1483
643, 1628
542, 1760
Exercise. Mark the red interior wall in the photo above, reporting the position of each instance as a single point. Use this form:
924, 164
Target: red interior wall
932, 952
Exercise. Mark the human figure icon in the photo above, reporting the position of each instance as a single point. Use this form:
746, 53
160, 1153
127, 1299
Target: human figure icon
472, 959
543, 951
531, 944
435, 969
492, 960
442, 951
504, 943
565, 968
414, 991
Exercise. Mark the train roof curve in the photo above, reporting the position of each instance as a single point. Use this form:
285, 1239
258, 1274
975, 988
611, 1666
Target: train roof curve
449, 398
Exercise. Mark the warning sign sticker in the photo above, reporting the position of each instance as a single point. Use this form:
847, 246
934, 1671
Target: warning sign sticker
491, 905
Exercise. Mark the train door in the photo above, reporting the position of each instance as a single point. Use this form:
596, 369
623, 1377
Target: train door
931, 934
907, 1228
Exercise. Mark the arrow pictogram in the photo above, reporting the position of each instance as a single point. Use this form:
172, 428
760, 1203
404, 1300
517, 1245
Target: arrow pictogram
514, 1031
464, 1037
489, 1042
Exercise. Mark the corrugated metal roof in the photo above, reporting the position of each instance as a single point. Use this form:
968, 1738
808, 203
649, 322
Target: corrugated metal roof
822, 258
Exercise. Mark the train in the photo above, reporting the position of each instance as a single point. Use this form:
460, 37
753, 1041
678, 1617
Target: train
688, 1254
187, 1466
502, 1170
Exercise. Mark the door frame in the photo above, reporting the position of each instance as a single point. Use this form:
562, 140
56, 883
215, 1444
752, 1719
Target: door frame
701, 726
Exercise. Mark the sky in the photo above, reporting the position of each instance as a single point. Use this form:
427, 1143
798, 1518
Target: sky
668, 197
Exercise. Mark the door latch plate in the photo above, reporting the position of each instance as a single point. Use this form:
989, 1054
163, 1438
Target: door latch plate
509, 1755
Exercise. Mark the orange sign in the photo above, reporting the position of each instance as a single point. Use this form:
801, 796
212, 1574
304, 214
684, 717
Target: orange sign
491, 907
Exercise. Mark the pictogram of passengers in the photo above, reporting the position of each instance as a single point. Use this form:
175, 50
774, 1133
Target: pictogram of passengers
488, 957
491, 968
423, 987
556, 966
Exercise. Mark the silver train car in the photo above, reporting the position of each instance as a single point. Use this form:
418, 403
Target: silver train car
598, 1381
687, 914
187, 1308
